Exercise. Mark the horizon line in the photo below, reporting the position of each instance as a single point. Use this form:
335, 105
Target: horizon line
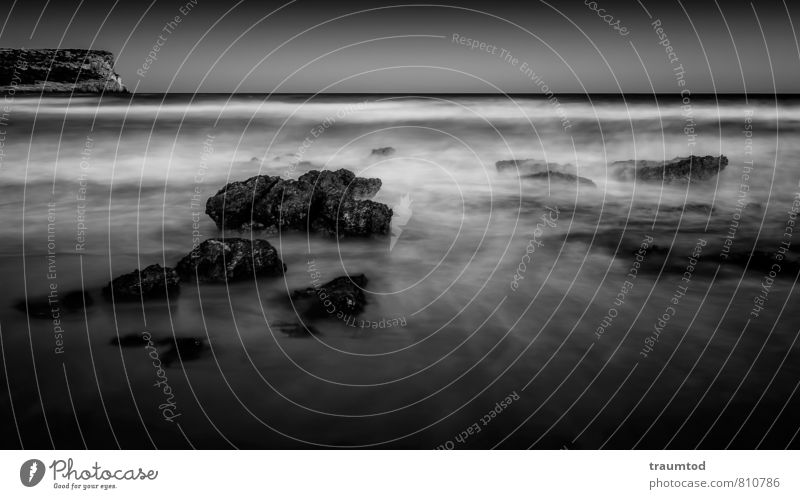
500, 94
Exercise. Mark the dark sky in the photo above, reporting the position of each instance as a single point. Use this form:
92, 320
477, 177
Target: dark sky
226, 46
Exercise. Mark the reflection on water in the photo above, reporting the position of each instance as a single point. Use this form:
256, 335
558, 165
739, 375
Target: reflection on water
94, 190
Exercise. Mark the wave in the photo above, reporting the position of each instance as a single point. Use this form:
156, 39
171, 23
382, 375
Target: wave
368, 109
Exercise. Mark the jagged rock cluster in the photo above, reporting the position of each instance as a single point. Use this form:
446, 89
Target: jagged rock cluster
330, 202
214, 260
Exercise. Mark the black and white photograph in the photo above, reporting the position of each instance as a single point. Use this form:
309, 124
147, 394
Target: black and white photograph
303, 225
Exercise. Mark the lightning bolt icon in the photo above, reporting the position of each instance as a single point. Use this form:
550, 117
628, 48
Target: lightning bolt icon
32, 472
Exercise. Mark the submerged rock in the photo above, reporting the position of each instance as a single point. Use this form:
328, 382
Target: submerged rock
295, 329
36, 308
679, 170
185, 348
44, 307
561, 178
343, 295
761, 261
383, 151
689, 207
664, 259
333, 202
129, 340
532, 169
76, 300
154, 281
528, 166
230, 259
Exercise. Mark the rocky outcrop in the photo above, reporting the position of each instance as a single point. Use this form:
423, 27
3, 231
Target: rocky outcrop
154, 281
679, 170
383, 151
325, 201
531, 166
231, 259
342, 296
58, 70
560, 178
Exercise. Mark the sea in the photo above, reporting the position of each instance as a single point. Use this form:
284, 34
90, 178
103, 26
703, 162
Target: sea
504, 310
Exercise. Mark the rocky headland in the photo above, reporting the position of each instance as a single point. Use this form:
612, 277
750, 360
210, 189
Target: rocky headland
58, 71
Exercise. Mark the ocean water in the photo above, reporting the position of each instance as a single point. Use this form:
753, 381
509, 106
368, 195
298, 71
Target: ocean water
503, 312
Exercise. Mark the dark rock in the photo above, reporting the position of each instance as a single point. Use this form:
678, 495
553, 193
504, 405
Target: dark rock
37, 308
341, 183
689, 207
154, 281
661, 259
341, 206
353, 217
531, 166
185, 348
295, 330
679, 170
383, 151
761, 261
287, 206
561, 178
343, 295
239, 203
129, 340
231, 259
58, 70
41, 307
75, 300
328, 201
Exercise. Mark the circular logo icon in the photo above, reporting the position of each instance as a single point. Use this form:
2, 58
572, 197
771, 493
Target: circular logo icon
31, 472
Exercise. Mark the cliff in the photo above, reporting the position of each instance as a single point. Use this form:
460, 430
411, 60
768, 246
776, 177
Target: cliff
58, 70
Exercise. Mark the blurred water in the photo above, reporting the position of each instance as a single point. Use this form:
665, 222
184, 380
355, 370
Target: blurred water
131, 176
